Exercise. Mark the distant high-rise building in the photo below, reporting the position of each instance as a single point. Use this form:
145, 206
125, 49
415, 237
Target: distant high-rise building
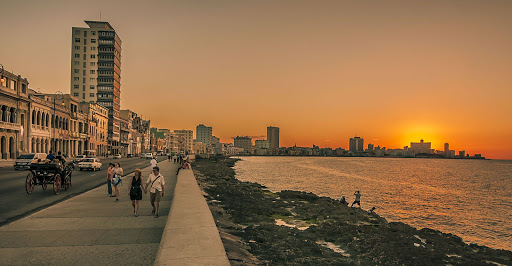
462, 154
204, 134
421, 147
244, 142
356, 144
273, 138
184, 140
96, 72
370, 147
446, 150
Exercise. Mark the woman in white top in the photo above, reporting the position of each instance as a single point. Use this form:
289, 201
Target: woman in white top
118, 173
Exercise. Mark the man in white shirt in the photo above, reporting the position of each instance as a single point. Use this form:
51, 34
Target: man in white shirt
153, 163
156, 183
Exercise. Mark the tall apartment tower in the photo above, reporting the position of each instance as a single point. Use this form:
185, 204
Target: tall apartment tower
96, 72
356, 144
446, 150
204, 134
273, 138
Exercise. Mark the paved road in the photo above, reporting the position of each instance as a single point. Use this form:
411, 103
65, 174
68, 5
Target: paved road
16, 203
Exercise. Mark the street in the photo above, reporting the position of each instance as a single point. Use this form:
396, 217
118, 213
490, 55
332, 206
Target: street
16, 203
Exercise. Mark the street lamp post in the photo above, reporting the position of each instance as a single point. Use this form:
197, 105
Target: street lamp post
55, 118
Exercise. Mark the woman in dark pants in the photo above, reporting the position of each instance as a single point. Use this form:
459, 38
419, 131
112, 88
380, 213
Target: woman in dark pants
135, 190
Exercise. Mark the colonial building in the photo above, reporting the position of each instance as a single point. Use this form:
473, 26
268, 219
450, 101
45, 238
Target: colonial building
96, 128
41, 111
14, 115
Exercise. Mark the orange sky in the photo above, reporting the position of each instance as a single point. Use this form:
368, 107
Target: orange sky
323, 71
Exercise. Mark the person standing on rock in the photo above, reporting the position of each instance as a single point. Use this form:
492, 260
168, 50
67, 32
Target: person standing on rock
156, 184
357, 200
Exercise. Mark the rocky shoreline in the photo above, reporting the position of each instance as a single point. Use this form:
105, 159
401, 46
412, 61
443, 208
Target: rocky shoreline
258, 226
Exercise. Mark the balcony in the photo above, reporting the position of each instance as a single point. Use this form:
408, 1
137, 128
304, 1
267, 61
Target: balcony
10, 126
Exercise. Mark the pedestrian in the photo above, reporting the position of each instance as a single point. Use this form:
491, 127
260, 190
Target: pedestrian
135, 190
110, 175
153, 163
118, 178
357, 200
169, 157
156, 184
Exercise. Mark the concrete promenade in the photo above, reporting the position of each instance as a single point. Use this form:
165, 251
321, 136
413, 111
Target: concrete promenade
90, 229
190, 236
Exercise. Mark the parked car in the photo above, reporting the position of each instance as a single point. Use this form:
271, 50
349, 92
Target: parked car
23, 161
143, 156
79, 158
90, 163
117, 156
129, 155
149, 156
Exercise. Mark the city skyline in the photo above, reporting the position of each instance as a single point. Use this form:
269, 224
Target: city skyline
431, 79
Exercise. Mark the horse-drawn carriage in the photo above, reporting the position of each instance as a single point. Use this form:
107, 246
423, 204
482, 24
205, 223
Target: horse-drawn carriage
49, 173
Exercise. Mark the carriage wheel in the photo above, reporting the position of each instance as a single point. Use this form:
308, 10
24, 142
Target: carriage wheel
67, 182
29, 184
56, 184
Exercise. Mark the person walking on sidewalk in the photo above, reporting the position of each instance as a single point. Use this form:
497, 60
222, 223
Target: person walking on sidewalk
110, 175
153, 163
156, 183
118, 178
135, 190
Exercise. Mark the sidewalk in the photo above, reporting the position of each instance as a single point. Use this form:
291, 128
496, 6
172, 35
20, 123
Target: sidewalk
7, 163
191, 236
90, 229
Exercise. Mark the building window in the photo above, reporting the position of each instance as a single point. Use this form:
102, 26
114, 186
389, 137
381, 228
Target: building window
93, 63
83, 87
76, 78
77, 32
83, 95
85, 65
93, 33
93, 40
85, 57
93, 48
85, 33
93, 71
77, 55
85, 41
83, 80
77, 47
92, 87
91, 94
77, 63
76, 87
76, 70
77, 39
76, 94
93, 56
24, 88
85, 49
91, 79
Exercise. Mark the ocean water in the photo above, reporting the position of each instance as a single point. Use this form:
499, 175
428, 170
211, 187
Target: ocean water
469, 198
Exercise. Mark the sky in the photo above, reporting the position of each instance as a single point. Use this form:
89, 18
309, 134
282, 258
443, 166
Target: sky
322, 71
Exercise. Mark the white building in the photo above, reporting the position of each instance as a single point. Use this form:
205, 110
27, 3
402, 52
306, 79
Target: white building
96, 72
204, 134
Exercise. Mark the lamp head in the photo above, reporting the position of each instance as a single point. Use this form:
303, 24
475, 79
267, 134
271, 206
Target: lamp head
2, 80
